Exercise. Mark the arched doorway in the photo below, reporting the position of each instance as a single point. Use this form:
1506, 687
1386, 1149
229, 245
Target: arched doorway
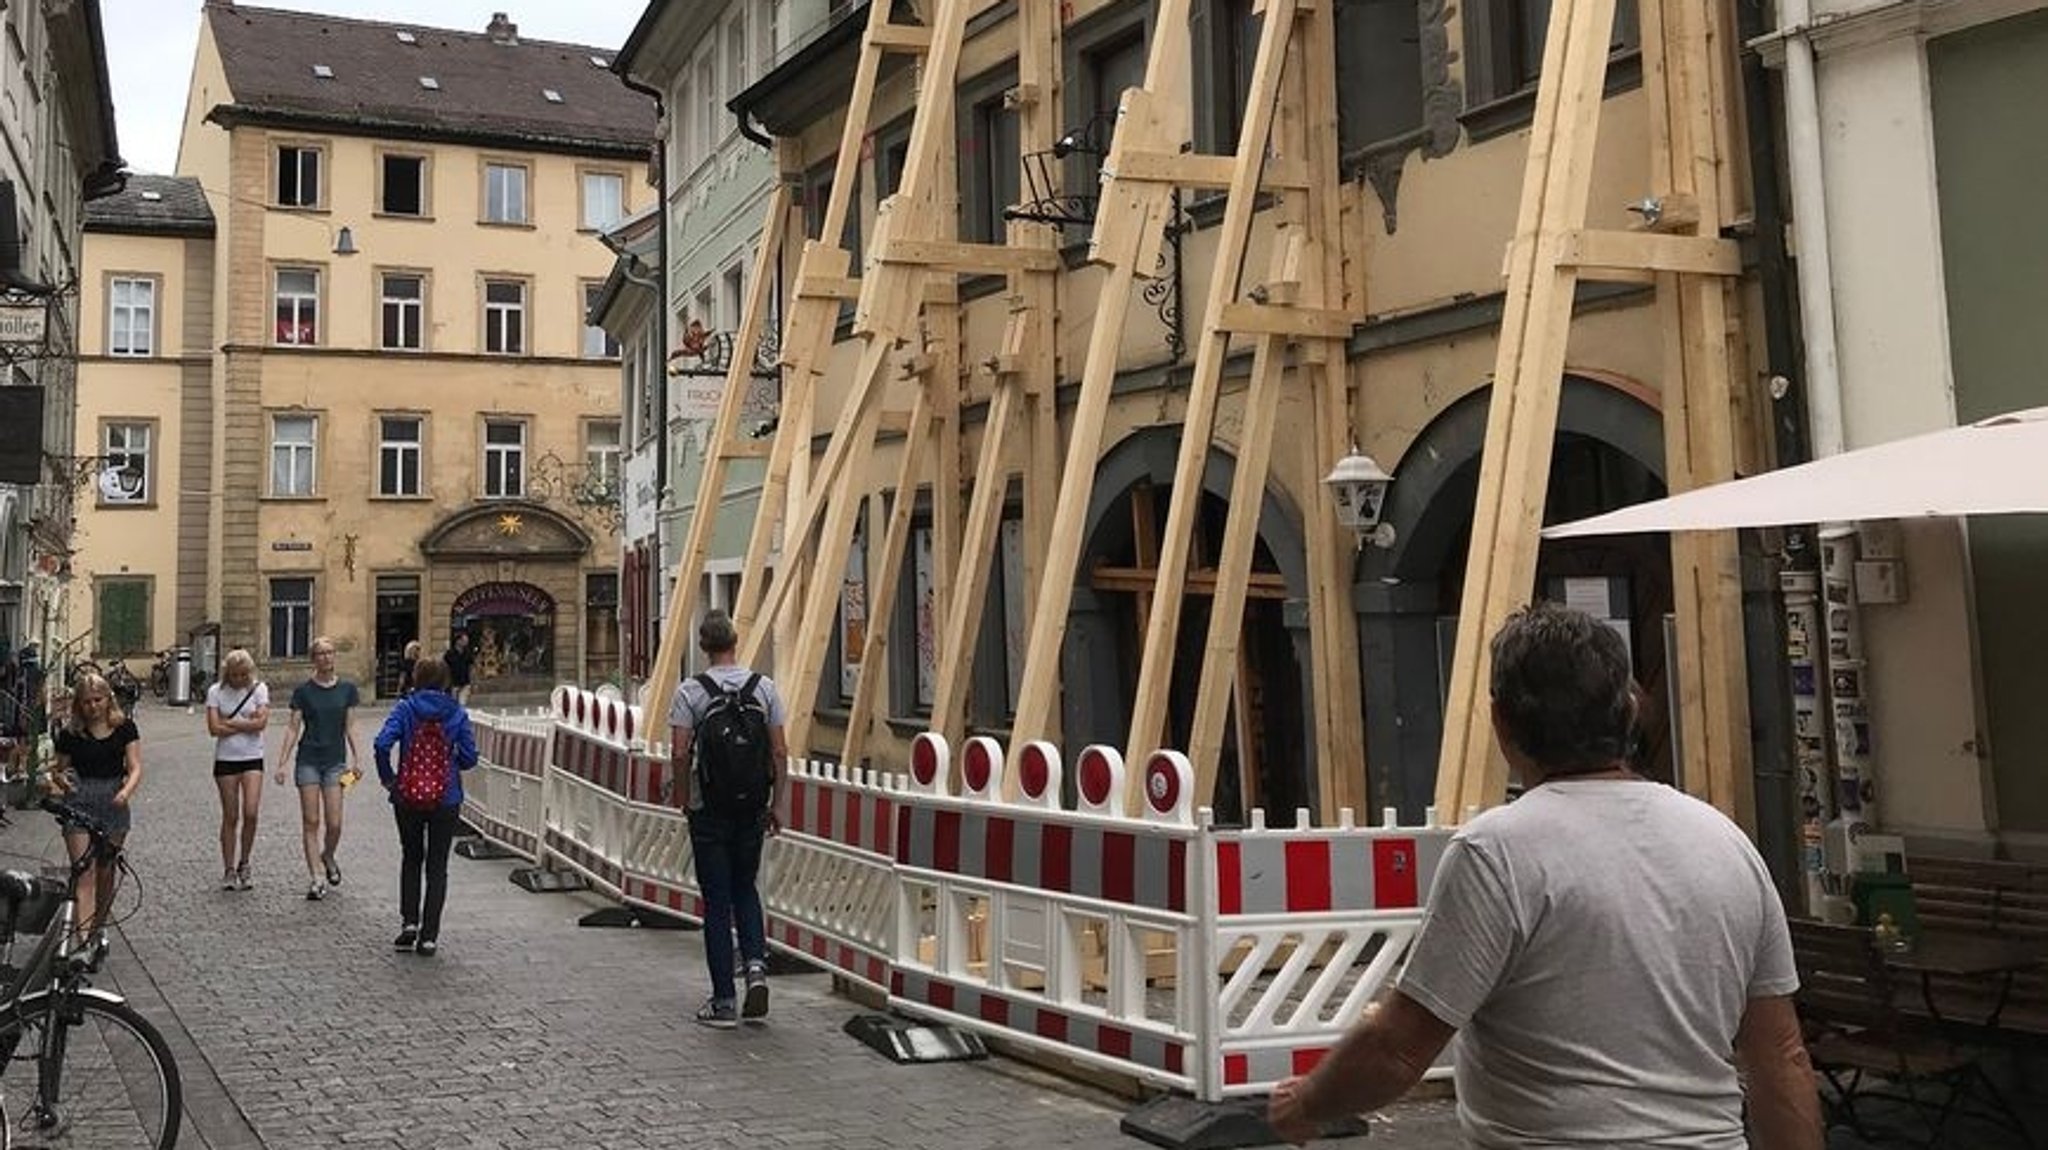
1609, 453
511, 629
1266, 762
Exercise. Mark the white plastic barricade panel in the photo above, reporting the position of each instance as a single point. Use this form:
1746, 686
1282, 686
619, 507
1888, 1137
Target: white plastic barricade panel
828, 881
1310, 924
501, 795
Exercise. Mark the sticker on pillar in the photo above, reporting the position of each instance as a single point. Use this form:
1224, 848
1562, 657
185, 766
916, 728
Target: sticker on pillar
1169, 787
1038, 773
1099, 781
930, 759
981, 768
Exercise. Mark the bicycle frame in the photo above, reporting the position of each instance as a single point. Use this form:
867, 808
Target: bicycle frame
53, 966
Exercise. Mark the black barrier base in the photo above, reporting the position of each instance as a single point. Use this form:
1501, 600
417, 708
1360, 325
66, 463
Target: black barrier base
541, 880
780, 964
1185, 1124
634, 916
901, 1040
483, 849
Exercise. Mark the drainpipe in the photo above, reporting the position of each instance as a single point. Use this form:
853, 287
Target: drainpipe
1810, 229
662, 345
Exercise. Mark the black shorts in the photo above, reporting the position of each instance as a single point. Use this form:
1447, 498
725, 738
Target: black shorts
227, 768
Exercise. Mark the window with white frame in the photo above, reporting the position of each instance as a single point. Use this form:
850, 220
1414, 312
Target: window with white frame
404, 311
126, 476
298, 306
505, 193
291, 454
131, 316
770, 33
398, 454
604, 200
403, 191
504, 459
298, 176
597, 342
708, 104
601, 453
291, 618
732, 293
736, 53
505, 317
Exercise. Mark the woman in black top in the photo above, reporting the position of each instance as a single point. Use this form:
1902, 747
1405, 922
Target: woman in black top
99, 763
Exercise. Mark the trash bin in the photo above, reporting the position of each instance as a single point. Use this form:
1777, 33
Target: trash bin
181, 677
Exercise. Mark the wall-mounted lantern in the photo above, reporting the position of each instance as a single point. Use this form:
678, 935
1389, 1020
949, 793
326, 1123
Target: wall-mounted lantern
1359, 487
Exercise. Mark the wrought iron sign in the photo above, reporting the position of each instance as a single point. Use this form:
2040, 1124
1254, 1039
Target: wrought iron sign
709, 353
596, 492
27, 322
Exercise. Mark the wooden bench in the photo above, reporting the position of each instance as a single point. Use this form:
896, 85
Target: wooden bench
1988, 897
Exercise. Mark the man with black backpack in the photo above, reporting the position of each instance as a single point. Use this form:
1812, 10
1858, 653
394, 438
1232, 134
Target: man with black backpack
727, 751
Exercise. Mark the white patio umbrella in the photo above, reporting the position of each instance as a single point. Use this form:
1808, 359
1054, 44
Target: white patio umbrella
1998, 466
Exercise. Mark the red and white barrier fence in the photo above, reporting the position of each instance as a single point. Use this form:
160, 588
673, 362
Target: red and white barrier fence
1148, 942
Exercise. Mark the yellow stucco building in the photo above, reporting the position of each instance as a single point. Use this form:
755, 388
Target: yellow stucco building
368, 404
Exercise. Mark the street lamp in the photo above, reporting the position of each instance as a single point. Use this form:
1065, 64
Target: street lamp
1359, 487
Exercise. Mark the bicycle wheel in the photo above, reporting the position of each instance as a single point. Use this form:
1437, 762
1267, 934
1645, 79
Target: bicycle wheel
88, 1072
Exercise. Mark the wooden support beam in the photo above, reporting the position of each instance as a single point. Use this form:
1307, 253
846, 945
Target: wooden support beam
969, 259
969, 600
882, 604
835, 288
1207, 173
1592, 252
906, 38
1034, 354
1300, 322
1200, 581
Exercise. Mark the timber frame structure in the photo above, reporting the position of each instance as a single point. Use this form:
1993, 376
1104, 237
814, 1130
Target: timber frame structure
1296, 314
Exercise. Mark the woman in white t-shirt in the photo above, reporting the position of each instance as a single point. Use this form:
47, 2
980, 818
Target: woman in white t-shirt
237, 711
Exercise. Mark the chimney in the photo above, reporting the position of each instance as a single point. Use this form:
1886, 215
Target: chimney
502, 30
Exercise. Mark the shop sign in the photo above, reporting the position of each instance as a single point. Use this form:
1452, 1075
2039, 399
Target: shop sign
24, 324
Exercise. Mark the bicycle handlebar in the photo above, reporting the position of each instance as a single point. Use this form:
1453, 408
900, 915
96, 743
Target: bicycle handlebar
72, 818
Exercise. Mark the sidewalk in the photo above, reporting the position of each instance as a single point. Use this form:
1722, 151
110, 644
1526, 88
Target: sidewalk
308, 1031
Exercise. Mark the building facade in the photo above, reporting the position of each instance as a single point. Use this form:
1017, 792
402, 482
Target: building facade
1924, 277
58, 150
412, 429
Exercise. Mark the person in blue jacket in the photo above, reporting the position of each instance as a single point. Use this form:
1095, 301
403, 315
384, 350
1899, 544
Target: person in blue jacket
425, 836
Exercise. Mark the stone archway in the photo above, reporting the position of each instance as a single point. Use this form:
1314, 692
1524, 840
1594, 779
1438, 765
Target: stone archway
1105, 623
509, 574
1405, 595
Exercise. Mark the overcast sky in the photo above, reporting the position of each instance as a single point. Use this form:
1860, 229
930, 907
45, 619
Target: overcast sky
150, 42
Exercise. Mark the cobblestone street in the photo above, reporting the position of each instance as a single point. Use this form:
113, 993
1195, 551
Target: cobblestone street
297, 1027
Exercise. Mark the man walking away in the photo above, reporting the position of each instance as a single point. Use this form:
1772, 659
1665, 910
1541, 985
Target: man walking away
1612, 950
459, 661
727, 752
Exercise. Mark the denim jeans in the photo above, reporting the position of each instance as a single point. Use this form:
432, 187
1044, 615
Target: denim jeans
728, 854
423, 841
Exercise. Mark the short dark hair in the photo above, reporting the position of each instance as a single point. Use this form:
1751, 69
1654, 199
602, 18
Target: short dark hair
716, 635
430, 674
1562, 688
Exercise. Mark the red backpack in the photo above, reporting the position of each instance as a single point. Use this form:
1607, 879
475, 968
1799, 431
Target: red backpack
423, 768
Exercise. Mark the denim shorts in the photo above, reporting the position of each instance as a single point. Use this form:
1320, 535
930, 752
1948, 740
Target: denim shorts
311, 776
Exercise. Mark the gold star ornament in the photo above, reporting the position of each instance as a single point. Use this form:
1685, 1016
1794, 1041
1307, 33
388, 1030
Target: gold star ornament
509, 524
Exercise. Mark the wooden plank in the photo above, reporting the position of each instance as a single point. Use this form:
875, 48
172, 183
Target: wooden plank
1200, 581
968, 604
867, 708
1522, 416
1212, 347
1039, 63
676, 632
906, 38
1594, 251
1208, 173
970, 259
838, 289
1301, 322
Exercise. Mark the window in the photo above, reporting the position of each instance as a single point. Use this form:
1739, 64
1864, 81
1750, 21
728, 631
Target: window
120, 624
771, 31
601, 625
732, 294
404, 311
1504, 44
398, 455
298, 306
505, 194
708, 105
125, 479
131, 316
291, 618
601, 453
736, 54
298, 176
1232, 48
991, 178
504, 459
604, 200
1108, 66
291, 454
505, 317
1379, 71
597, 342
817, 197
404, 186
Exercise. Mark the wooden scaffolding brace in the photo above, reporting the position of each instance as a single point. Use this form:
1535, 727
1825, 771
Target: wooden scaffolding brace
914, 254
1681, 251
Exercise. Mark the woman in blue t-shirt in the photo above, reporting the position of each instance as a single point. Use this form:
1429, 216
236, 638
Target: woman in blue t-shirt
99, 766
324, 737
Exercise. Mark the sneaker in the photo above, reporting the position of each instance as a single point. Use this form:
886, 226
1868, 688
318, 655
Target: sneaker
754, 1007
407, 936
426, 948
718, 1015
333, 869
315, 892
227, 880
242, 877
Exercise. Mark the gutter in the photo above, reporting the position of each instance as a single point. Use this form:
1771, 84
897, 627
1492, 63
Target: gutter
1805, 162
661, 320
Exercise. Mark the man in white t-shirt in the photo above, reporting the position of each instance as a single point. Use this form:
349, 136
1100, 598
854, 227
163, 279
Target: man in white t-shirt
1610, 951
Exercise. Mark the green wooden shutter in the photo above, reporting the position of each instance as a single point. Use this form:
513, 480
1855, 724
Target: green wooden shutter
123, 625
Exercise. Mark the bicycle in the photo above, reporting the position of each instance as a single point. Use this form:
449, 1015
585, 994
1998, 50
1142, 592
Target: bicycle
105, 1077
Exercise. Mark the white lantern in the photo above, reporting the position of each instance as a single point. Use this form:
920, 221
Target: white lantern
1359, 488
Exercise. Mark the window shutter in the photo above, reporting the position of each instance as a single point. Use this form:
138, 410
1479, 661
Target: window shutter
124, 617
